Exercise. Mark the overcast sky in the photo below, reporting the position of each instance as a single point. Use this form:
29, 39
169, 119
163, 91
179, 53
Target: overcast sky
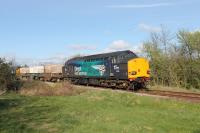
50, 30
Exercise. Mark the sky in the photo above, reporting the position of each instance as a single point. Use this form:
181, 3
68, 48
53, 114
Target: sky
35, 31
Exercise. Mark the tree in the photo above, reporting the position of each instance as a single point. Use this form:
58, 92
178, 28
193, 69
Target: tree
174, 62
190, 53
7, 76
156, 49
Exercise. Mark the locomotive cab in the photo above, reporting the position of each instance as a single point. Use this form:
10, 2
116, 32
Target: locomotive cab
138, 70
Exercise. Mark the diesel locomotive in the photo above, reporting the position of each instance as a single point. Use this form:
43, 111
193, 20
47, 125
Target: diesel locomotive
121, 69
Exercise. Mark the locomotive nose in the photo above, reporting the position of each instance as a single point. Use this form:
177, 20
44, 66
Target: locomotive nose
138, 68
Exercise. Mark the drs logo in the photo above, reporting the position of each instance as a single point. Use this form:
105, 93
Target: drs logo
101, 69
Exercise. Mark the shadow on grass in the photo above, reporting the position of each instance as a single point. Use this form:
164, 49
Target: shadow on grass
25, 115
8, 103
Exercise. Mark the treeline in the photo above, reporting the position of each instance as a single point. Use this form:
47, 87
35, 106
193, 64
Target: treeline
7, 76
174, 59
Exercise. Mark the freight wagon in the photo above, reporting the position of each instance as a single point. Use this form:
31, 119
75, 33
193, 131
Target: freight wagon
23, 72
50, 72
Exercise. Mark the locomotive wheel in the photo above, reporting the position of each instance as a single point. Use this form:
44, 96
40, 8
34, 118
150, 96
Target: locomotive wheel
131, 86
141, 86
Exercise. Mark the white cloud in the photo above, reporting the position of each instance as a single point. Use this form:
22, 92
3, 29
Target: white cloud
137, 48
119, 45
140, 5
149, 28
82, 47
54, 59
57, 58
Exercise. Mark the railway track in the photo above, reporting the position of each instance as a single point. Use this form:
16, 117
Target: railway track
195, 97
188, 96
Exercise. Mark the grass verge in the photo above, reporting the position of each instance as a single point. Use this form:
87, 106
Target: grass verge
97, 111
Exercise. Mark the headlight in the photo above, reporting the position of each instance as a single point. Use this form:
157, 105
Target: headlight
133, 73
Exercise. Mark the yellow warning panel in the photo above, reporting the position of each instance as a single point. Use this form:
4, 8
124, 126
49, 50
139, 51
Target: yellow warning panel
138, 67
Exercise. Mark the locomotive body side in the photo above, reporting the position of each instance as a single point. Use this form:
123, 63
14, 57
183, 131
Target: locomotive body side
106, 66
89, 68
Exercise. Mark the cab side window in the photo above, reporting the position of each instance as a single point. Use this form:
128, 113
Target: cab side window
114, 60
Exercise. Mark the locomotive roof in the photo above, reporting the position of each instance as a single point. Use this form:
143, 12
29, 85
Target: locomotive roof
104, 55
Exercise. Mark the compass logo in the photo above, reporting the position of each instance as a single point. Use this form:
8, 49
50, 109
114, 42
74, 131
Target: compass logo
101, 69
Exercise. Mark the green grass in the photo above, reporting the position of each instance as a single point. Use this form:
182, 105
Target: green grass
97, 111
